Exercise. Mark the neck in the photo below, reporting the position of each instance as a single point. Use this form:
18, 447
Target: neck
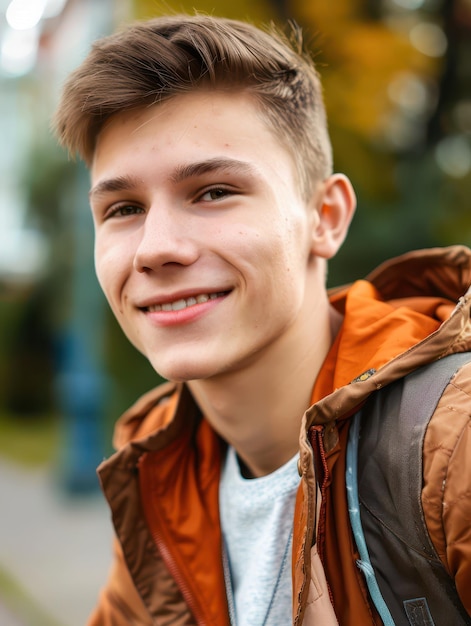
258, 409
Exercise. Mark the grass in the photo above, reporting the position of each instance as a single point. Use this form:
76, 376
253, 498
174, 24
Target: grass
21, 604
30, 441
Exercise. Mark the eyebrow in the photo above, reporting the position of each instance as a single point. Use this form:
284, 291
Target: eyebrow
110, 185
180, 174
183, 172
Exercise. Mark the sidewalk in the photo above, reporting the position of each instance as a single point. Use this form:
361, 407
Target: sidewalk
55, 549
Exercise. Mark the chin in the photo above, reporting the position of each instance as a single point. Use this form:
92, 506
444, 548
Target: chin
187, 371
180, 374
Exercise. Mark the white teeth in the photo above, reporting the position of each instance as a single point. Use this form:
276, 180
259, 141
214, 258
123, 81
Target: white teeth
183, 303
179, 305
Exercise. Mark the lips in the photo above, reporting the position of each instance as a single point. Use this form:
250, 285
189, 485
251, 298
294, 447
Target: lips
184, 303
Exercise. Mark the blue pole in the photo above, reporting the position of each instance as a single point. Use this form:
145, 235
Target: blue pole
80, 381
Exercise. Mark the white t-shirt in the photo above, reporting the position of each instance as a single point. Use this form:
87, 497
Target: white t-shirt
257, 521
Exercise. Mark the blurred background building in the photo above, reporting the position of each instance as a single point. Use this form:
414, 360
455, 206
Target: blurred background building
397, 77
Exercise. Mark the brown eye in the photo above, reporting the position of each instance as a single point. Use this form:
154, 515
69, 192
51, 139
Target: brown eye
217, 193
125, 210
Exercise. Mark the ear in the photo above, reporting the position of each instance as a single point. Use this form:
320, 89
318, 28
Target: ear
335, 204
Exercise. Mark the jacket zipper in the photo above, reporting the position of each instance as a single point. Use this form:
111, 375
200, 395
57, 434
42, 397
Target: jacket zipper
166, 554
180, 580
322, 471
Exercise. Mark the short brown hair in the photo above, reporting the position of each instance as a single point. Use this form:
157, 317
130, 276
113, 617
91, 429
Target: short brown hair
155, 60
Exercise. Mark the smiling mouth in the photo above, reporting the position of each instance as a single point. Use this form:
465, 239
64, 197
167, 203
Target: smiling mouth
185, 303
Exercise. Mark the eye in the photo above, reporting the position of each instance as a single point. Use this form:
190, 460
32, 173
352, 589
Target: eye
215, 193
123, 210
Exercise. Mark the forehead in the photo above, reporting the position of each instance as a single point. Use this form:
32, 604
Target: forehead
204, 125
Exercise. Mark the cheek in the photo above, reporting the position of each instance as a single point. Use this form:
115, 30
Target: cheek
289, 248
110, 266
101, 267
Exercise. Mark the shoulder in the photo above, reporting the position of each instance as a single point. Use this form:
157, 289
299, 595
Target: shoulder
447, 470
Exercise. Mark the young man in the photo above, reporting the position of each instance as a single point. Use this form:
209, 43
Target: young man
216, 211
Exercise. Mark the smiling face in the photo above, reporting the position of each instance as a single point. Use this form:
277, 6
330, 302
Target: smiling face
204, 243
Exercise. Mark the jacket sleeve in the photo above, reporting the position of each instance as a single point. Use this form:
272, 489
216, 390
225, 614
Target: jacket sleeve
447, 481
119, 603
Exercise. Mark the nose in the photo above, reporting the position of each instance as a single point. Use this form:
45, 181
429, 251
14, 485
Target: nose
166, 237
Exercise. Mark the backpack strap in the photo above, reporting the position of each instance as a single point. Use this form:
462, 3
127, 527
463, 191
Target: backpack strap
407, 581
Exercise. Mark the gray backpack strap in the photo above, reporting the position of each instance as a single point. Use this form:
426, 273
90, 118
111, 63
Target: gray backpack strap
407, 581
